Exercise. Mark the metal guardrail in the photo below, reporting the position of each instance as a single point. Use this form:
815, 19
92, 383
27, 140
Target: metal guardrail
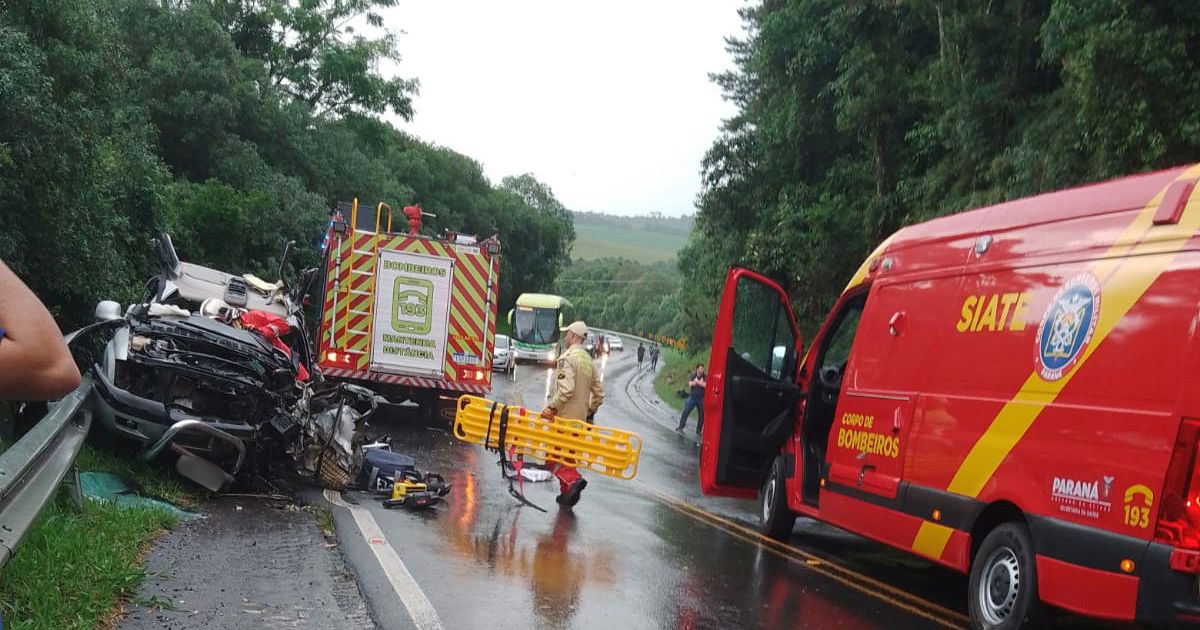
625, 334
32, 469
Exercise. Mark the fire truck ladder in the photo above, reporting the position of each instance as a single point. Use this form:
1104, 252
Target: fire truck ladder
359, 268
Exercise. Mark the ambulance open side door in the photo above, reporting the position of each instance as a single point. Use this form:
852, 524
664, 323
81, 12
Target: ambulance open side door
751, 394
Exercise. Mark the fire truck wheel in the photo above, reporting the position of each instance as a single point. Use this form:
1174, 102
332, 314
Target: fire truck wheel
446, 409
1003, 594
774, 517
427, 406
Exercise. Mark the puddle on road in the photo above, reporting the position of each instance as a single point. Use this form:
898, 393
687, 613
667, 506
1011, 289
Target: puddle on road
516, 545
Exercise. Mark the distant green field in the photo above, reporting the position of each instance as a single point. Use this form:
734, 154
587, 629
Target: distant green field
593, 242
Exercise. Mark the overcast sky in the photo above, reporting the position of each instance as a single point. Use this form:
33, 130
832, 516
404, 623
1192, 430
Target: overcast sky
607, 102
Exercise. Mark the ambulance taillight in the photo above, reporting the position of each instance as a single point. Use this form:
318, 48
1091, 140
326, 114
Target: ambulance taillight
1179, 511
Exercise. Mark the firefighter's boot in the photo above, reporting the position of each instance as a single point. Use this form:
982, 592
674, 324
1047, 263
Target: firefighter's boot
571, 485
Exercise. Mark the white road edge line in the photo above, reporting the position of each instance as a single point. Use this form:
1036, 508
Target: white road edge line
420, 609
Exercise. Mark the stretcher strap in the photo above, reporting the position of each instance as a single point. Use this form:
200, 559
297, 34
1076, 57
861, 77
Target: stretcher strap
488, 434
520, 460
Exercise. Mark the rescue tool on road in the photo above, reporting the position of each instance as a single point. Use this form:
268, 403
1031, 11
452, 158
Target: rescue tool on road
1010, 392
413, 490
411, 316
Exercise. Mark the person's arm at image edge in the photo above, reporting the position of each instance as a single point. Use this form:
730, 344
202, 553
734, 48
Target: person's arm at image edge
34, 361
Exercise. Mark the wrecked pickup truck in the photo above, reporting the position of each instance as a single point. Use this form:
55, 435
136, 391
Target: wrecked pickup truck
214, 368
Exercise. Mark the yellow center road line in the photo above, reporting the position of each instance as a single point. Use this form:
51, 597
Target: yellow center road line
847, 577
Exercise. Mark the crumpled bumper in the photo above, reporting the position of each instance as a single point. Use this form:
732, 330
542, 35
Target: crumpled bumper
156, 427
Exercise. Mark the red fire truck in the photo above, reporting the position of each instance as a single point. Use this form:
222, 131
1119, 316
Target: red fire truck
1010, 392
408, 315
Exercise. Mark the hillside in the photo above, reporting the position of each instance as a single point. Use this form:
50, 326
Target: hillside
642, 239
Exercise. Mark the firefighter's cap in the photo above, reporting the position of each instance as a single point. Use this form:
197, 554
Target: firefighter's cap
577, 327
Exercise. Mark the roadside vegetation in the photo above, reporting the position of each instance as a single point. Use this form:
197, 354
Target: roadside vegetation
854, 119
76, 566
857, 118
151, 479
234, 125
671, 383
621, 294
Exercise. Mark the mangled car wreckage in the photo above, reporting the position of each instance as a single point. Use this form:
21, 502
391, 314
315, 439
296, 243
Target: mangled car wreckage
215, 368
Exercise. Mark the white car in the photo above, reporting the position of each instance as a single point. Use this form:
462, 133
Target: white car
615, 343
505, 358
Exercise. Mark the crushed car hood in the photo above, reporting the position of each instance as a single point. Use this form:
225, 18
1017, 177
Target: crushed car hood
202, 330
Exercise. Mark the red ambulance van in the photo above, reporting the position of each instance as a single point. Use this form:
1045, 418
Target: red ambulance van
1013, 392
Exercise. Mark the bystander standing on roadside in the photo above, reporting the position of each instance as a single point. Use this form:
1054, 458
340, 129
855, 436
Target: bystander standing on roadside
695, 400
35, 363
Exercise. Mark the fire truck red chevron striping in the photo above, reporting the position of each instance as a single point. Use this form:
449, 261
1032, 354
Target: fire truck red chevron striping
438, 296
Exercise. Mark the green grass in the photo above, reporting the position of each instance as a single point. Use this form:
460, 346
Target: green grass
150, 478
673, 378
325, 521
75, 566
595, 241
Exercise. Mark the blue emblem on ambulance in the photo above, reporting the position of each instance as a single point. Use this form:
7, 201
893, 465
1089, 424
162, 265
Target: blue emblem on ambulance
1068, 326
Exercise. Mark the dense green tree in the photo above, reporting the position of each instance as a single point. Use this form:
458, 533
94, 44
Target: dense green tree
234, 124
71, 150
551, 229
313, 53
856, 118
620, 294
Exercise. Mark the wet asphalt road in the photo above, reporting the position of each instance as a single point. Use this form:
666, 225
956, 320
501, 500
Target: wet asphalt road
247, 565
647, 553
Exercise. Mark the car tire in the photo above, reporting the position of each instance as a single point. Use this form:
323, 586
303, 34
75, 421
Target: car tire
775, 518
1003, 591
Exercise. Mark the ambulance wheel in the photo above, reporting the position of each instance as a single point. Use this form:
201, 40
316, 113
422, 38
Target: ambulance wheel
774, 517
1003, 594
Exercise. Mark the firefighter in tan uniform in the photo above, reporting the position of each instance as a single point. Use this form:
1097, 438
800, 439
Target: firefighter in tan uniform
577, 395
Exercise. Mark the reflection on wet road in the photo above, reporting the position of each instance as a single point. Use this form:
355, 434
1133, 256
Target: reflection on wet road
651, 553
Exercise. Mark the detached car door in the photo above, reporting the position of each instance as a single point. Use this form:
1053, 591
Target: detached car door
750, 400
